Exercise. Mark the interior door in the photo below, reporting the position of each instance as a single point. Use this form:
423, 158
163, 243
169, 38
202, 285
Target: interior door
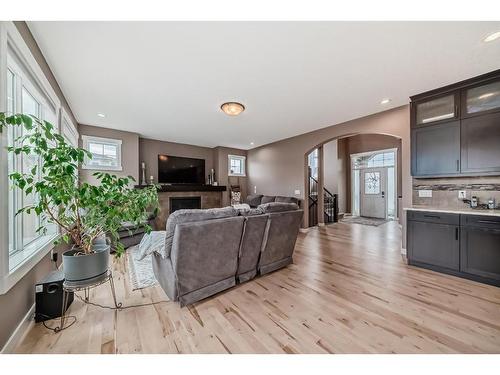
373, 192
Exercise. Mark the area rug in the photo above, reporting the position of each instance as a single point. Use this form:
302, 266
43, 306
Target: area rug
140, 271
363, 220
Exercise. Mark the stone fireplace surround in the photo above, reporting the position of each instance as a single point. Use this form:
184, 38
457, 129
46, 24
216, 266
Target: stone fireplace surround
209, 199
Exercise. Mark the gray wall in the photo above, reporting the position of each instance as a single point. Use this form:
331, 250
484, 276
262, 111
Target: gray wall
279, 167
149, 149
130, 151
15, 304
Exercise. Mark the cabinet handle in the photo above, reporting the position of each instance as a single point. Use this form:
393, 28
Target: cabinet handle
488, 222
458, 165
456, 233
433, 216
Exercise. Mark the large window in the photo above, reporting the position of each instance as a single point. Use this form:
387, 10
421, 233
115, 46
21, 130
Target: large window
24, 96
236, 165
106, 153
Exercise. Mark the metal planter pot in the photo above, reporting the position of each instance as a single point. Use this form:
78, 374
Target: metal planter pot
86, 267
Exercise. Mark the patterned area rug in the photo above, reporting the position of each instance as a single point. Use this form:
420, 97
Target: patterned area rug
364, 220
140, 271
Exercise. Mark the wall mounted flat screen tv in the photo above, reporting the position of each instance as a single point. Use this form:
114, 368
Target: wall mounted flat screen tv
179, 170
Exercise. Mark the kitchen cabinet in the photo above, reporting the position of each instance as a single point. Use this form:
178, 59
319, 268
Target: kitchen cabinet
433, 239
480, 246
480, 144
436, 150
462, 245
455, 130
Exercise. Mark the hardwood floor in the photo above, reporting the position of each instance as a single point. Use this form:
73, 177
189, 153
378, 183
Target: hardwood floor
348, 292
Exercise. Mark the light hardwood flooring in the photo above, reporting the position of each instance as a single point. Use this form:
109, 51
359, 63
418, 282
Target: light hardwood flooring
349, 291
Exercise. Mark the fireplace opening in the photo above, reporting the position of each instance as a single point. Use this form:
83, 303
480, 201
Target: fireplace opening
180, 203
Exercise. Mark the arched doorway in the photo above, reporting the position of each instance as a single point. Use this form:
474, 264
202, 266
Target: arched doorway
368, 181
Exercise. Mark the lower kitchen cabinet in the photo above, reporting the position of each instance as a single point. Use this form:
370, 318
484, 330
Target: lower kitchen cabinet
480, 248
433, 239
462, 245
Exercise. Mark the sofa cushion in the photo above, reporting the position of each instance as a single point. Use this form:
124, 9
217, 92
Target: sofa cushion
186, 216
278, 207
287, 200
267, 199
253, 200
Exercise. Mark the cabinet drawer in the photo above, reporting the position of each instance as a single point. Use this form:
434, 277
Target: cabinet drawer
434, 217
490, 222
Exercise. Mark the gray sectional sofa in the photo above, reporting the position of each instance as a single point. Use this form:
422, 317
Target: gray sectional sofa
208, 251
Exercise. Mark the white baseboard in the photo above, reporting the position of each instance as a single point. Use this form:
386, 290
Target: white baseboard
20, 331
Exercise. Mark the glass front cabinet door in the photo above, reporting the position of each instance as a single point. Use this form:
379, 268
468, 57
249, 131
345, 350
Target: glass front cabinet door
481, 99
443, 108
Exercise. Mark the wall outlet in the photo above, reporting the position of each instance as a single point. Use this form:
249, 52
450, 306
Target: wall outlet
297, 192
425, 193
462, 194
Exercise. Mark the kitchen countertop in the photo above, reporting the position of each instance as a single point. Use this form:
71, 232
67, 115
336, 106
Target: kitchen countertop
465, 211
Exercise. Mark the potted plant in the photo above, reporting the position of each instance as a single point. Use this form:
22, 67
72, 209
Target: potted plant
89, 216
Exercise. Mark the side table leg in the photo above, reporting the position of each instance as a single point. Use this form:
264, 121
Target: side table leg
111, 282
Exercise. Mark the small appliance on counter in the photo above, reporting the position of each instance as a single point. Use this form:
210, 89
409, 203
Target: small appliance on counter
473, 202
491, 204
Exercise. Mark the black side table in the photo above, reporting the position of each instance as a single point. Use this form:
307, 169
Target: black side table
71, 286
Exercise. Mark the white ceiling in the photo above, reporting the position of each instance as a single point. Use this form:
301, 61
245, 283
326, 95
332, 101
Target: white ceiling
167, 80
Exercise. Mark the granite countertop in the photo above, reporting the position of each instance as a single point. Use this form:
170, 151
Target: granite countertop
466, 211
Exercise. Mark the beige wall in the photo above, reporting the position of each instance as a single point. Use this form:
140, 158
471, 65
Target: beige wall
149, 149
130, 151
15, 304
221, 166
279, 168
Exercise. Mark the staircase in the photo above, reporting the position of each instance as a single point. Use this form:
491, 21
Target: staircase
330, 204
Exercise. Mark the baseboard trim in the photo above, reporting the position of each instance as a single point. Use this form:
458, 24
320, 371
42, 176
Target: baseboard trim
21, 330
303, 230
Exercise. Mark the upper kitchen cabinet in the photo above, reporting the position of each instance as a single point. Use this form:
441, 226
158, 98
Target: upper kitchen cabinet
436, 110
456, 129
481, 99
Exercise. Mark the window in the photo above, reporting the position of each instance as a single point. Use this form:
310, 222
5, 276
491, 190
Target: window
25, 96
236, 165
106, 153
372, 183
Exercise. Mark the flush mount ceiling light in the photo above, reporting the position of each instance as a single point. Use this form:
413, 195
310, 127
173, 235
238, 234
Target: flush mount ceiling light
232, 108
385, 101
251, 143
101, 115
492, 37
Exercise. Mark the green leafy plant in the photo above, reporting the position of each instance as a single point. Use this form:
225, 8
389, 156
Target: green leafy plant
84, 212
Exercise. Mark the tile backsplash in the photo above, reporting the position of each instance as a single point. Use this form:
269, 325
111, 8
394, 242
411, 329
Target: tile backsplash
445, 191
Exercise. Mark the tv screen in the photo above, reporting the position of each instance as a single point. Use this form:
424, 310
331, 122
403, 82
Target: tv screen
179, 170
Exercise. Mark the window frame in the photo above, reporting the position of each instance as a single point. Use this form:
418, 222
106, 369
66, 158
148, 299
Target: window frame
243, 160
87, 139
14, 49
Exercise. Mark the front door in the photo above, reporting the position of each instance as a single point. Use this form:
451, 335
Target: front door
373, 192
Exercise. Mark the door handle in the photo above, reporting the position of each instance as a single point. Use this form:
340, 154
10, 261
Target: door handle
383, 194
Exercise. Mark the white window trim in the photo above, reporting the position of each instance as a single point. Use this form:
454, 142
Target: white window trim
67, 128
10, 38
240, 157
118, 142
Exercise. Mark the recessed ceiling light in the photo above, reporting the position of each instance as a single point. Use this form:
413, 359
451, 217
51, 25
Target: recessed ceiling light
232, 108
492, 37
385, 101
101, 115
251, 143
